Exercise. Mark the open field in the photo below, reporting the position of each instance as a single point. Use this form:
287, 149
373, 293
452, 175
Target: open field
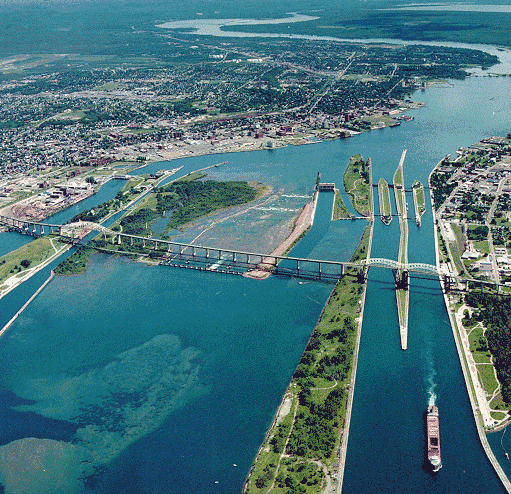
20, 262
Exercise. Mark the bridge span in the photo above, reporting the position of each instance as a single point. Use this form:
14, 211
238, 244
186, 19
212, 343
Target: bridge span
34, 228
171, 250
211, 258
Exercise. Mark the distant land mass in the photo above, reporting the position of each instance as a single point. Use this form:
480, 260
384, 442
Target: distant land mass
129, 28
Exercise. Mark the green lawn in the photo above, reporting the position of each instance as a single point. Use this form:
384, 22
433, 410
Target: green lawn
384, 196
34, 252
482, 246
487, 377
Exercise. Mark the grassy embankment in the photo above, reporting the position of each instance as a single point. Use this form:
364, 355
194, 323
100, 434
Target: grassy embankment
402, 295
340, 211
301, 449
457, 248
357, 184
25, 258
419, 201
384, 199
188, 199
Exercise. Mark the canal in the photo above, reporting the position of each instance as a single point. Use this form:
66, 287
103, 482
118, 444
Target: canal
152, 380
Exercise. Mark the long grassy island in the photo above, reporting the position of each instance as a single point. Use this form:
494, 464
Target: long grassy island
402, 292
304, 449
419, 201
384, 198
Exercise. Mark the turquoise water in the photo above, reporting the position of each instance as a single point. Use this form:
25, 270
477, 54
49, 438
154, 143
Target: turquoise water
112, 398
156, 380
10, 241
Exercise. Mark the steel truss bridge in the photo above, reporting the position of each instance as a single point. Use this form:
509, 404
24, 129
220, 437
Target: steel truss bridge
249, 258
219, 259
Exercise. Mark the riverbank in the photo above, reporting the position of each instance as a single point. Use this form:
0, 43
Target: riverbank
49, 255
35, 208
346, 429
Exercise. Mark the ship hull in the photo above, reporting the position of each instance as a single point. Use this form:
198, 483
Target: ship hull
433, 450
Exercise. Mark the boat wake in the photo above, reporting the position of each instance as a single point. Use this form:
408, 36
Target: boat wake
431, 381
432, 399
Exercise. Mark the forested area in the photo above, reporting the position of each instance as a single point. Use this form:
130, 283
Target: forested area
441, 189
191, 200
494, 312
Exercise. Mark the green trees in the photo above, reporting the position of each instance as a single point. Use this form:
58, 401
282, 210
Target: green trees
495, 313
195, 199
477, 232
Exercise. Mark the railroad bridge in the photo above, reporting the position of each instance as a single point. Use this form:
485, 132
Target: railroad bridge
181, 254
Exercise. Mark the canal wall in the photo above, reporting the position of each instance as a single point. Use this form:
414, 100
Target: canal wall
349, 407
26, 304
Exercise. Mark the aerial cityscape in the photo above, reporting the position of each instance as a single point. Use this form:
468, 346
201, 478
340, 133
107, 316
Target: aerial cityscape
255, 249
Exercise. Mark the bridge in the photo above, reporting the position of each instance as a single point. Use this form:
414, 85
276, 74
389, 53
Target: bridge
181, 254
181, 251
249, 258
34, 228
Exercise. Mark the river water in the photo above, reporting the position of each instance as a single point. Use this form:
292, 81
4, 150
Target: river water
155, 380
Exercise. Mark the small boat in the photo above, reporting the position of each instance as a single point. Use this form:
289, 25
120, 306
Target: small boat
433, 438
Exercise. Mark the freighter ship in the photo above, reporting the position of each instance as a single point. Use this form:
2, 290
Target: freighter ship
433, 434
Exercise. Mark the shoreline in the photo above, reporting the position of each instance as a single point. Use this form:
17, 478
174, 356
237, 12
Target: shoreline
267, 143
32, 271
10, 211
335, 483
